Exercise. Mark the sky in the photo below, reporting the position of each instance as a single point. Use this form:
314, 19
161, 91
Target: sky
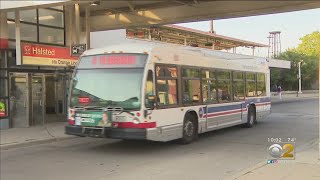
293, 26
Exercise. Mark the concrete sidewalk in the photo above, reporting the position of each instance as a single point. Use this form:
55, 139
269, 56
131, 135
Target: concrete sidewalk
292, 97
305, 166
18, 137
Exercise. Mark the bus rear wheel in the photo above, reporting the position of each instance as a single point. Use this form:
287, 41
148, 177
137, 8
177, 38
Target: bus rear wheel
190, 130
251, 119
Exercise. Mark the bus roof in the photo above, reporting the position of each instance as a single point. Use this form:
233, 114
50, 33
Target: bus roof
146, 46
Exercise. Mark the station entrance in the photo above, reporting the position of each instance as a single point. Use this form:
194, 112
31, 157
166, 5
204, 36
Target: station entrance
37, 98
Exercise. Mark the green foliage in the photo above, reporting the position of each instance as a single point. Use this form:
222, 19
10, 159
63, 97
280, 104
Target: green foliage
308, 52
310, 44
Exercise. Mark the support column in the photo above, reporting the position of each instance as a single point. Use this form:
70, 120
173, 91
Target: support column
18, 38
88, 27
77, 23
299, 76
149, 34
185, 41
253, 50
3, 31
211, 27
234, 50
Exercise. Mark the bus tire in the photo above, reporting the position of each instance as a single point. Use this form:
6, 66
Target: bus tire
189, 130
251, 118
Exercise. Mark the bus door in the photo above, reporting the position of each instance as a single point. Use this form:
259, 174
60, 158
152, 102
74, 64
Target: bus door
211, 120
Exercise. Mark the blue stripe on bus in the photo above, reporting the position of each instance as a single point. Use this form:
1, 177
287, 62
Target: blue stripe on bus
236, 106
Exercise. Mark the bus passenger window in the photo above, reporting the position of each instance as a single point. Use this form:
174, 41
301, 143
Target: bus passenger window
238, 86
167, 92
191, 86
209, 87
191, 91
224, 86
261, 85
224, 90
250, 84
166, 85
149, 87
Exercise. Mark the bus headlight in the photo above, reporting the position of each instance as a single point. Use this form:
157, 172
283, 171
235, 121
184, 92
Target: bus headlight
136, 120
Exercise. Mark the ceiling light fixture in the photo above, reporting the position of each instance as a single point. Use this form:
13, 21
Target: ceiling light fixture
95, 3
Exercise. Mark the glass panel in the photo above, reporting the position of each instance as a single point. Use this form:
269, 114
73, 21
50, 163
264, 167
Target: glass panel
51, 35
261, 77
251, 89
112, 87
149, 87
224, 90
3, 64
11, 57
11, 15
11, 29
238, 90
261, 89
28, 16
209, 91
19, 101
37, 101
223, 75
251, 76
237, 75
167, 92
57, 7
207, 74
166, 71
51, 18
28, 32
191, 91
192, 73
3, 87
12, 45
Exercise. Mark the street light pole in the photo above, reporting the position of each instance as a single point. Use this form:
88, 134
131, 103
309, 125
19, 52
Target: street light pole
299, 76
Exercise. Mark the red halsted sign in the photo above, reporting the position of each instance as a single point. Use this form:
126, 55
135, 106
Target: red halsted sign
84, 100
38, 54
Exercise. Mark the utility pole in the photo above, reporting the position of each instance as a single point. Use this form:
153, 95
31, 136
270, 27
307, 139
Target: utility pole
299, 75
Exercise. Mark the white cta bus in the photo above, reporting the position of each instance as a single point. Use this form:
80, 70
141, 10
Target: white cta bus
161, 92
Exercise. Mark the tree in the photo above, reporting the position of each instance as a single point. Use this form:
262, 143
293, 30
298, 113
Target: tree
310, 44
308, 51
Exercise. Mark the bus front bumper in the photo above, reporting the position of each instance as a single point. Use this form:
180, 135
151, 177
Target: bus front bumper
107, 132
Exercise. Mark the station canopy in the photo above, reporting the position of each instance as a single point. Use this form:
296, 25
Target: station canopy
111, 14
187, 36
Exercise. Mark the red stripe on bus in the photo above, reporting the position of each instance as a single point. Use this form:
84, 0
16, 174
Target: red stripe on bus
224, 113
262, 104
133, 125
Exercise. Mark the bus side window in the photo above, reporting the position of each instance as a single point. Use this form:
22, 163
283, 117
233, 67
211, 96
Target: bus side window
149, 87
166, 85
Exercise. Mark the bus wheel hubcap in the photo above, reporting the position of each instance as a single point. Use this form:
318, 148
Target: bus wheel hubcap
188, 129
251, 118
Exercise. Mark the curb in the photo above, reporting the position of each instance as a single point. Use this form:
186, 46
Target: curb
35, 142
293, 100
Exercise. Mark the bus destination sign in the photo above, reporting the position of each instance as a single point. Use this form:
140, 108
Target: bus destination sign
113, 61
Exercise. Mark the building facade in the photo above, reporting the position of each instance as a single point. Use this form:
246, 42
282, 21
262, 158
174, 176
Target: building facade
36, 63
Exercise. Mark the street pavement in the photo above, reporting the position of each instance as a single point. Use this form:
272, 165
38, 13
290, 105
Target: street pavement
216, 155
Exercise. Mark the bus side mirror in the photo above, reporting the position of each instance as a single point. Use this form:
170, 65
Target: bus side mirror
152, 101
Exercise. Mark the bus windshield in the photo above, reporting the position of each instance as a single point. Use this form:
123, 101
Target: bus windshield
120, 87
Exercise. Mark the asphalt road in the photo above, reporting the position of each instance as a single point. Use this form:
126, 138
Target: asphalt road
214, 156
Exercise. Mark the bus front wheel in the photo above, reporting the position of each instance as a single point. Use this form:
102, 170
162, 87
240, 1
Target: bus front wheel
190, 130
